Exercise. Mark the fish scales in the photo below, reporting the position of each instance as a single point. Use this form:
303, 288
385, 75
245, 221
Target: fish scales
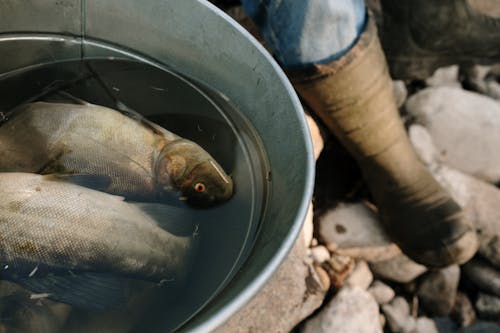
52, 224
83, 139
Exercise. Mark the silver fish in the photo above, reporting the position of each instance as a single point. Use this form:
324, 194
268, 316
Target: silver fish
49, 226
135, 159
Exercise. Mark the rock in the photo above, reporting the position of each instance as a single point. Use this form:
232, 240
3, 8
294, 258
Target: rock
423, 144
446, 325
438, 289
399, 269
398, 316
463, 312
351, 310
483, 80
465, 127
383, 321
323, 277
292, 294
488, 307
483, 276
444, 76
361, 276
316, 137
338, 268
478, 198
425, 325
354, 230
400, 92
381, 292
319, 254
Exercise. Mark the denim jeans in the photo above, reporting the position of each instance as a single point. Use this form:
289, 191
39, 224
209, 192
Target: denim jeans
303, 32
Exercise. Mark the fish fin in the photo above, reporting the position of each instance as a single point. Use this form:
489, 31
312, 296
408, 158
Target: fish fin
131, 113
96, 182
90, 291
176, 219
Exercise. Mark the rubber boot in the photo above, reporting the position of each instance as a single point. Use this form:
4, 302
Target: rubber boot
420, 36
353, 97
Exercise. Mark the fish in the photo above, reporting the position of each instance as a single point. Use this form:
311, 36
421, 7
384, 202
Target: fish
62, 239
107, 150
21, 312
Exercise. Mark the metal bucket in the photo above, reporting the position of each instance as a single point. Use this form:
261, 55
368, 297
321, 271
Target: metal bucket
202, 44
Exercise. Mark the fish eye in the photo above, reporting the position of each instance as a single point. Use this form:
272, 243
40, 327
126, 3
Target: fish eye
200, 187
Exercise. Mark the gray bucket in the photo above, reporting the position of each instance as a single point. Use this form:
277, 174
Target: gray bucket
199, 46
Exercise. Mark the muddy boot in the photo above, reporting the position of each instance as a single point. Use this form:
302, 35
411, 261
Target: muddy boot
353, 97
420, 36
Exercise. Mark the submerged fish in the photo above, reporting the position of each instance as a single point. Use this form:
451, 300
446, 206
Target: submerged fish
55, 234
107, 150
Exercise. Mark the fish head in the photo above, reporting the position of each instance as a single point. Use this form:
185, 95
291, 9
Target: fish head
185, 166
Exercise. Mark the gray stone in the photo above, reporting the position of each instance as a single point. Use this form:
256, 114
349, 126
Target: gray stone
354, 230
425, 325
488, 307
463, 312
446, 325
424, 145
400, 92
291, 295
465, 127
381, 292
338, 268
478, 198
438, 289
483, 276
481, 201
398, 316
483, 80
351, 310
399, 269
444, 76
361, 276
319, 254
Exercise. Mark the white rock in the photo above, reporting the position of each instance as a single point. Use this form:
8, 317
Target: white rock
478, 198
444, 76
399, 269
382, 293
319, 254
424, 145
481, 201
465, 127
400, 92
398, 316
425, 325
354, 230
361, 276
351, 310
